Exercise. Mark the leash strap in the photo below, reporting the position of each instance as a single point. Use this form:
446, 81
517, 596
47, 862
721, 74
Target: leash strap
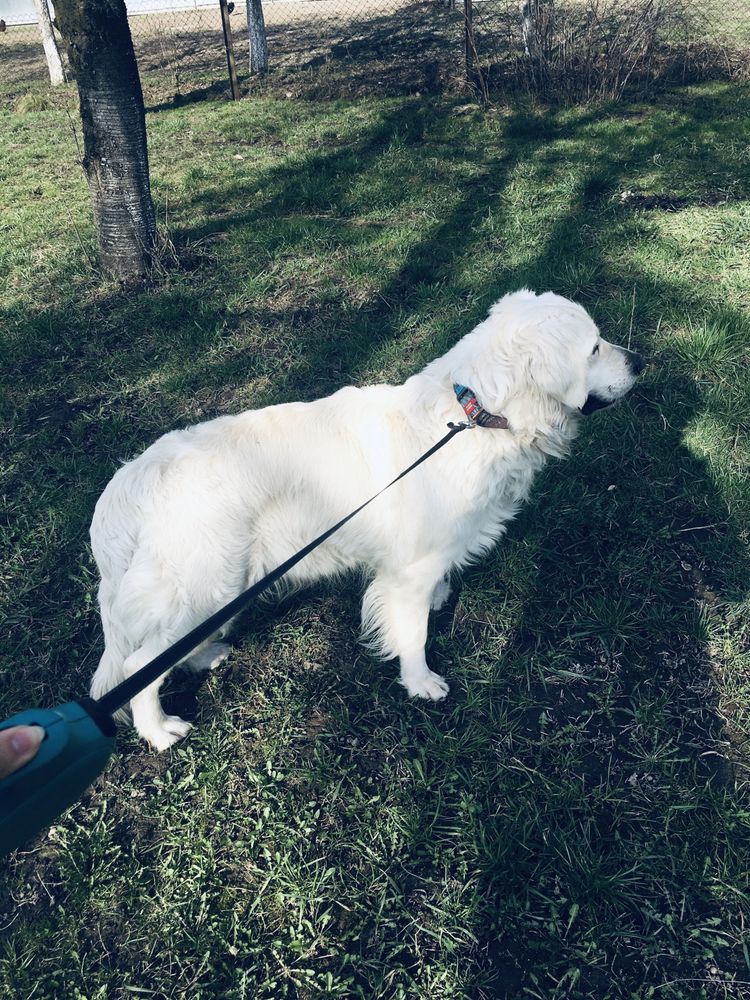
123, 692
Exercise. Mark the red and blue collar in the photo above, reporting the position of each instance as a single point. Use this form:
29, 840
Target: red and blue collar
475, 412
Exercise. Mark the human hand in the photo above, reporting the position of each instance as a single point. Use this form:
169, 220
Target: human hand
17, 747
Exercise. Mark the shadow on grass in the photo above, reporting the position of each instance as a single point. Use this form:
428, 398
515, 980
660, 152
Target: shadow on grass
601, 718
577, 785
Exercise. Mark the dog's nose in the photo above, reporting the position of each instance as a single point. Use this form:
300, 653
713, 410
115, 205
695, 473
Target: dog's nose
636, 363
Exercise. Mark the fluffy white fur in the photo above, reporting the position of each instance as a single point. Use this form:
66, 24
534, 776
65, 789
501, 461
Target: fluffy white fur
204, 512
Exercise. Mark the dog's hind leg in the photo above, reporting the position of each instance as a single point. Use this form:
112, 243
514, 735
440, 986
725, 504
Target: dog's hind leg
441, 593
149, 719
208, 658
394, 615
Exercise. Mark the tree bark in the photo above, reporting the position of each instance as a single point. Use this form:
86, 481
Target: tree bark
530, 42
258, 43
100, 49
535, 20
49, 42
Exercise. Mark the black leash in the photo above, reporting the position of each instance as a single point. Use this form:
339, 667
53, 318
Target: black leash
136, 683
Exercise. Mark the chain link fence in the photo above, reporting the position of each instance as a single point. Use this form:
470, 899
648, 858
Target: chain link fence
351, 47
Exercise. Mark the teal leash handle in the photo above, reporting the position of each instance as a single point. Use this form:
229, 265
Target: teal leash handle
77, 744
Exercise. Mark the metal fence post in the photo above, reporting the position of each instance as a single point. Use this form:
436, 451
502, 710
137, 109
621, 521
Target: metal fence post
468, 38
229, 48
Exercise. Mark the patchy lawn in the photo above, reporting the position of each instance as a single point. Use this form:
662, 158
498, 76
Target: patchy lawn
574, 821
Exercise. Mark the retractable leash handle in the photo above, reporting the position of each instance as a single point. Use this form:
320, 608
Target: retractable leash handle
80, 736
78, 741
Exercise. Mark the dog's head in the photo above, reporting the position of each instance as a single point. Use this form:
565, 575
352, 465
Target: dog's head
560, 353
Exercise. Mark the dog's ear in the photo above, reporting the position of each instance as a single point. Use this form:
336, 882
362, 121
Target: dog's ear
556, 364
564, 379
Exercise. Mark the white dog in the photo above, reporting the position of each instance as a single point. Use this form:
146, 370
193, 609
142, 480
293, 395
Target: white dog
205, 512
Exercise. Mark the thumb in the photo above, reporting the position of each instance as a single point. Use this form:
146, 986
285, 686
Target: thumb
17, 746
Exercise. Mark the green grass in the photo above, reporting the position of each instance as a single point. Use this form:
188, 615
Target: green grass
574, 820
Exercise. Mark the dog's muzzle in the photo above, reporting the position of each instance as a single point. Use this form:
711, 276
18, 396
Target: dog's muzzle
635, 364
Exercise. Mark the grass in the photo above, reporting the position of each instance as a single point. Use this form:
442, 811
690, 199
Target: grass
574, 820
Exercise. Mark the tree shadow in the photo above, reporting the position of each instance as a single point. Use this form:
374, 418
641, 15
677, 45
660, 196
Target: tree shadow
598, 707
595, 711
604, 704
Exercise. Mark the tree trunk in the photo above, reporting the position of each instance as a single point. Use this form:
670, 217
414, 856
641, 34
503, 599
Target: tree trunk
54, 63
536, 23
258, 43
531, 44
100, 49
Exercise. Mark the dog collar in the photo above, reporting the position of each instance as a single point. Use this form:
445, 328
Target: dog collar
475, 412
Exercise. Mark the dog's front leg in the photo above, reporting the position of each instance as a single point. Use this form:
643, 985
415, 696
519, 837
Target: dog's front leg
419, 680
149, 719
395, 613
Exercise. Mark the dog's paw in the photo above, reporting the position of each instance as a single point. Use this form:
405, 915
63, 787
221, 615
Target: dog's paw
172, 729
209, 658
429, 685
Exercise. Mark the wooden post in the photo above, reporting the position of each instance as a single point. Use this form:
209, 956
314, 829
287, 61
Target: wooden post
229, 50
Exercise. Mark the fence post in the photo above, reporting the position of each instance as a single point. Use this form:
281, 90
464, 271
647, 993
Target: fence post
468, 38
474, 75
229, 48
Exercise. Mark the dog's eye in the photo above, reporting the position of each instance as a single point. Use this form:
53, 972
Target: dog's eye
596, 350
